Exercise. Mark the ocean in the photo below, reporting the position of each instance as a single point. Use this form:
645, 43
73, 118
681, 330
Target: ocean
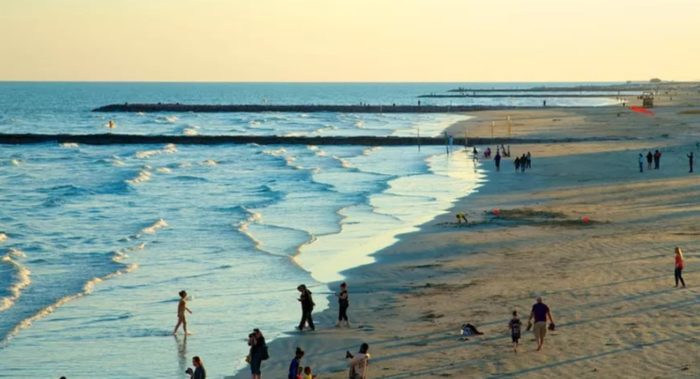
96, 241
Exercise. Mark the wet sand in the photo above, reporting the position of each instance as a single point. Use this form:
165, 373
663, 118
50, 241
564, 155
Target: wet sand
608, 282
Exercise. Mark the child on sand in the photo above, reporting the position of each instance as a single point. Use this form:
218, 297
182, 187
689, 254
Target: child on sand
181, 308
308, 374
514, 326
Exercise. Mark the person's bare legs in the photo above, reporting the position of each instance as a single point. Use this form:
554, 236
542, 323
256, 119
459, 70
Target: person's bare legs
177, 326
184, 327
540, 343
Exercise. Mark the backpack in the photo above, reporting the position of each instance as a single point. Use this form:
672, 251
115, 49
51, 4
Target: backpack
264, 355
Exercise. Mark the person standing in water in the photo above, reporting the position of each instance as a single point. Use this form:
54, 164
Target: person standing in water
679, 267
641, 162
497, 159
307, 306
181, 308
657, 159
690, 161
343, 304
650, 158
199, 371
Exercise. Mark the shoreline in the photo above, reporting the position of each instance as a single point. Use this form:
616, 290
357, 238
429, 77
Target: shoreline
403, 300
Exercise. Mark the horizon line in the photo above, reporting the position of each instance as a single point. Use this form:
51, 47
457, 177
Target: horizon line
339, 82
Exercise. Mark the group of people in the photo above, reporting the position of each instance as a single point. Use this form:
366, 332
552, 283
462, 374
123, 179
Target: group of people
258, 347
521, 162
655, 158
358, 365
540, 314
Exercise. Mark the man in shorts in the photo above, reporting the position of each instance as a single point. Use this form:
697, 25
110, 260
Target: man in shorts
540, 312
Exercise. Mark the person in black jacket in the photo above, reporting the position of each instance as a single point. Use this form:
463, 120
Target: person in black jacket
258, 352
307, 306
199, 371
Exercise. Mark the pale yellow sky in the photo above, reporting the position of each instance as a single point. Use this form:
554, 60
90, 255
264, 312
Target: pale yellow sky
349, 40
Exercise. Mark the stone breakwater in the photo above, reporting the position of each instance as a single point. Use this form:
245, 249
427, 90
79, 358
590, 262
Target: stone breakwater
255, 108
127, 139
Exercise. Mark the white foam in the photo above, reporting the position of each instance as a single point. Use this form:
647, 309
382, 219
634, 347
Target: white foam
22, 278
210, 162
164, 170
190, 132
143, 176
147, 154
3, 237
88, 288
70, 145
160, 224
16, 162
167, 149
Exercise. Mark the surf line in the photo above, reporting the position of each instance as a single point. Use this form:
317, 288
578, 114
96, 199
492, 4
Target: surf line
89, 286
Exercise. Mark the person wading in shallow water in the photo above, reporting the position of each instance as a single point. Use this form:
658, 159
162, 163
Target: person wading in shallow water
307, 306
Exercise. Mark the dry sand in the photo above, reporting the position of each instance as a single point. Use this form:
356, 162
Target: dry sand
609, 283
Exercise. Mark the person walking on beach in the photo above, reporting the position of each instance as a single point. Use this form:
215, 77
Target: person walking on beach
514, 325
358, 363
657, 159
679, 267
690, 161
181, 308
517, 163
307, 306
497, 159
529, 160
641, 162
199, 371
523, 162
295, 364
343, 304
540, 312
650, 157
258, 352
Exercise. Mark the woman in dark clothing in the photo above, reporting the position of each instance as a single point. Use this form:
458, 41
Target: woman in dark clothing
343, 304
258, 352
307, 306
199, 371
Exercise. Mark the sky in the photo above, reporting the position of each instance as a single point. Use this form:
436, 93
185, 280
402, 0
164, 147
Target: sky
349, 40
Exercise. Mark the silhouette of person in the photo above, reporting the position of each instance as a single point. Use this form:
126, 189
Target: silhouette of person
497, 159
690, 161
657, 159
650, 157
641, 162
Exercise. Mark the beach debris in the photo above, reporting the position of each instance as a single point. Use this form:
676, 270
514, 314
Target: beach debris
585, 219
496, 212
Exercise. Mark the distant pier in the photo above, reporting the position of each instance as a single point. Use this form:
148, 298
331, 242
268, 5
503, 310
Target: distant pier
256, 108
578, 95
133, 139
588, 88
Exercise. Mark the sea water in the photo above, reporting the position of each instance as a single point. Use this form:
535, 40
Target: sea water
96, 241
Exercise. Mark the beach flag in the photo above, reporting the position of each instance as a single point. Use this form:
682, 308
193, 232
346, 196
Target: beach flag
641, 110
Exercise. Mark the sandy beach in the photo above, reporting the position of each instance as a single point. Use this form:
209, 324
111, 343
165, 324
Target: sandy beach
609, 282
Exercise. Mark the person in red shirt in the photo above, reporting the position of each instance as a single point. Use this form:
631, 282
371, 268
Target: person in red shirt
679, 267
